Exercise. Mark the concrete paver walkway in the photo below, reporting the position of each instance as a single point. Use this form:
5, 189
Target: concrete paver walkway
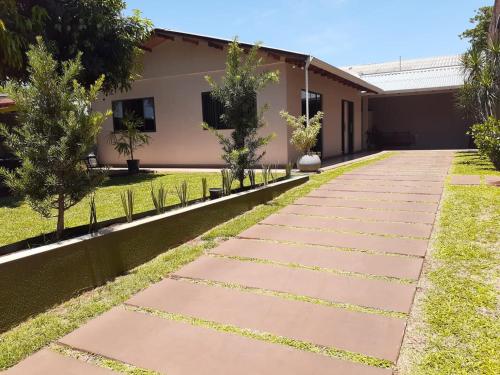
337, 269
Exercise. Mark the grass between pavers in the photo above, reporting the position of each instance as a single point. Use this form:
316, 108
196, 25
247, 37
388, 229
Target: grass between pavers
352, 274
297, 297
458, 321
100, 361
268, 337
41, 330
20, 222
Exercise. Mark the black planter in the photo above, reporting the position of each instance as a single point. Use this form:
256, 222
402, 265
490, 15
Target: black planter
133, 166
215, 193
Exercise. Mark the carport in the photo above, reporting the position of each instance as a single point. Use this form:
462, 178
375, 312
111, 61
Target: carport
417, 109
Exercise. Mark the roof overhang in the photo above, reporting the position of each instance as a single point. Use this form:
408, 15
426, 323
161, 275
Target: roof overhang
420, 91
298, 59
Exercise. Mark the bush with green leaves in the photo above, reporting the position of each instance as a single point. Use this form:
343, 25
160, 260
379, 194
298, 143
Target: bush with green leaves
238, 94
182, 193
487, 139
57, 130
304, 134
128, 204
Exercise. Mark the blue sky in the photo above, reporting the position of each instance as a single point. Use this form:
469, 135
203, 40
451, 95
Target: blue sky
341, 32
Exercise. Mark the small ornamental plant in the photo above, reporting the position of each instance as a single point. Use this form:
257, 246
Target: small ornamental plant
304, 135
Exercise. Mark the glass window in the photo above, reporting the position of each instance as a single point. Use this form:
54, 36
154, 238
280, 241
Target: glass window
143, 108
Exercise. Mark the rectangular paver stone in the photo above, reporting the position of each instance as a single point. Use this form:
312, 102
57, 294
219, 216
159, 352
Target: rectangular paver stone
350, 225
177, 348
407, 246
434, 198
380, 294
465, 179
393, 177
47, 362
361, 213
314, 256
338, 186
492, 180
382, 205
370, 334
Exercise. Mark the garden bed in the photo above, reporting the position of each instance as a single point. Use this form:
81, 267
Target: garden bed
34, 279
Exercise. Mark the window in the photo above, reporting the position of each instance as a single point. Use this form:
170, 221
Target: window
212, 110
315, 106
142, 108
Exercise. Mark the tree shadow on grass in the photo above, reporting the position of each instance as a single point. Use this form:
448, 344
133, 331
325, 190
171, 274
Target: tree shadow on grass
10, 202
121, 180
470, 158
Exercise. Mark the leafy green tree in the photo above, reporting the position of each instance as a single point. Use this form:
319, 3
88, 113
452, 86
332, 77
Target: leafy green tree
478, 35
480, 93
20, 22
304, 135
109, 40
238, 94
57, 130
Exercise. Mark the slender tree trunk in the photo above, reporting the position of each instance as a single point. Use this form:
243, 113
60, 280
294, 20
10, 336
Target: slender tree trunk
131, 149
60, 216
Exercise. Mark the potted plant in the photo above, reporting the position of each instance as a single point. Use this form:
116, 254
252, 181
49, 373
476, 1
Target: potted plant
128, 139
304, 138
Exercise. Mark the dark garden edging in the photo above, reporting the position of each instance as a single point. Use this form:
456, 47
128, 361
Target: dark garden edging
33, 280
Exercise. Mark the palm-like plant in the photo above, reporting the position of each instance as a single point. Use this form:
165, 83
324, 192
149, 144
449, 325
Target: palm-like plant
130, 138
480, 93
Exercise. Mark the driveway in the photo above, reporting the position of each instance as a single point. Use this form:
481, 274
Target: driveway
322, 287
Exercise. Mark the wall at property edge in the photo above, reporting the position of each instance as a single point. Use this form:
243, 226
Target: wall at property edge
174, 75
433, 119
333, 94
34, 283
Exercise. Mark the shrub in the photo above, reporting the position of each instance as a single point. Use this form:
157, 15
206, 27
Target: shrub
158, 197
304, 135
487, 139
227, 181
182, 193
128, 204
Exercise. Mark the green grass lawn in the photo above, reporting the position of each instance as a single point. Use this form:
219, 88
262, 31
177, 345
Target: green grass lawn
468, 162
46, 327
460, 309
19, 221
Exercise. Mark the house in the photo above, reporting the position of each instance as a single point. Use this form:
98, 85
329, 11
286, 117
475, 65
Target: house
173, 99
417, 108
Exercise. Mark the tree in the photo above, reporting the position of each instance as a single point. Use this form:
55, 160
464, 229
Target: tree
478, 35
238, 94
109, 41
57, 130
20, 22
480, 93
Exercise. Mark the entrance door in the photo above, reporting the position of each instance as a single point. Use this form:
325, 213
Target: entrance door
347, 127
315, 106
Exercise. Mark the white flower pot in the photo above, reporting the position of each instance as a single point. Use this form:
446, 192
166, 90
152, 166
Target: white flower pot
309, 163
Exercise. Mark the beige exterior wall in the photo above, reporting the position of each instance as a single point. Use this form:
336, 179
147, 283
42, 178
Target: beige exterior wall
174, 75
333, 93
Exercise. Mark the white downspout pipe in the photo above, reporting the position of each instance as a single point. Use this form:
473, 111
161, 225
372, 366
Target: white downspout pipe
308, 62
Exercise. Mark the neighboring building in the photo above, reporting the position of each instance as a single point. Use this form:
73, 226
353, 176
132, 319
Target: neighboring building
172, 97
418, 107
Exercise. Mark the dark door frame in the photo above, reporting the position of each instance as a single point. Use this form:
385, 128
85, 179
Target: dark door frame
349, 127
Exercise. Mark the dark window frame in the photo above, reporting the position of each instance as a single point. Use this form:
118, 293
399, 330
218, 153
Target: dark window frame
211, 111
116, 125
